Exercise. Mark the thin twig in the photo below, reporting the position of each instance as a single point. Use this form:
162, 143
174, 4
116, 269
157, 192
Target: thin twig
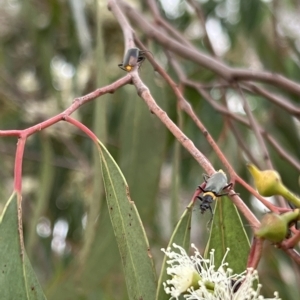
276, 145
23, 134
127, 31
255, 127
278, 100
240, 140
255, 253
145, 94
18, 165
185, 106
161, 22
291, 242
201, 18
233, 174
206, 61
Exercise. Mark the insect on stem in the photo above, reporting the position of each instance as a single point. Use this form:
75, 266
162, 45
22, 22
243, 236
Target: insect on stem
215, 184
133, 57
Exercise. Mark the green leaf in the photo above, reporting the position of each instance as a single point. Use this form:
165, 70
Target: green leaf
181, 237
17, 278
90, 278
228, 232
130, 235
142, 146
251, 14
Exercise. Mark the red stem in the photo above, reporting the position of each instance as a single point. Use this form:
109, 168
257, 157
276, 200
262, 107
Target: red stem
18, 164
291, 242
255, 253
10, 132
83, 128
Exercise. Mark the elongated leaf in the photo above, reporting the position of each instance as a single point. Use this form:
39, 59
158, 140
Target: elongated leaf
142, 146
228, 232
89, 279
181, 237
130, 235
17, 278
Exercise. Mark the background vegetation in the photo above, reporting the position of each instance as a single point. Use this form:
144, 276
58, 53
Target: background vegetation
54, 51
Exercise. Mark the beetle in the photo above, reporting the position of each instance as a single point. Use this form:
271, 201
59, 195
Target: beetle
215, 184
133, 57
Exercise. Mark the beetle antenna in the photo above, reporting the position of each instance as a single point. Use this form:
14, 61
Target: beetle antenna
144, 51
209, 222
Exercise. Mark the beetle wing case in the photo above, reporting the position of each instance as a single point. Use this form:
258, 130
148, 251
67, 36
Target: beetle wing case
216, 183
133, 57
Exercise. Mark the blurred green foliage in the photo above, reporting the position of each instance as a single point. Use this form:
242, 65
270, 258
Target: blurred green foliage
54, 51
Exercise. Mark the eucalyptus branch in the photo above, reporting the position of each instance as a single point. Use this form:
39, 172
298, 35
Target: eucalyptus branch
218, 107
83, 128
161, 22
23, 134
200, 15
145, 94
185, 106
234, 130
255, 253
232, 173
195, 77
278, 100
256, 130
291, 242
127, 30
206, 61
143, 91
73, 107
281, 151
240, 141
18, 166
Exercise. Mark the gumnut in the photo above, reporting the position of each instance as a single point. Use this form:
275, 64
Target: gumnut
267, 183
275, 227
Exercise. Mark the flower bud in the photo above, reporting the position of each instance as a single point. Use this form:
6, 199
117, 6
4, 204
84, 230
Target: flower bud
275, 227
267, 182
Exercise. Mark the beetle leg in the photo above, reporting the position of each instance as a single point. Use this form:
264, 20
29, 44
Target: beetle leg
121, 67
200, 188
141, 59
225, 194
205, 177
142, 52
211, 218
220, 195
200, 198
211, 211
228, 186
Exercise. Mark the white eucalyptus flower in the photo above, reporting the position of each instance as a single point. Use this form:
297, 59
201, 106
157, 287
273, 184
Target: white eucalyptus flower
196, 278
